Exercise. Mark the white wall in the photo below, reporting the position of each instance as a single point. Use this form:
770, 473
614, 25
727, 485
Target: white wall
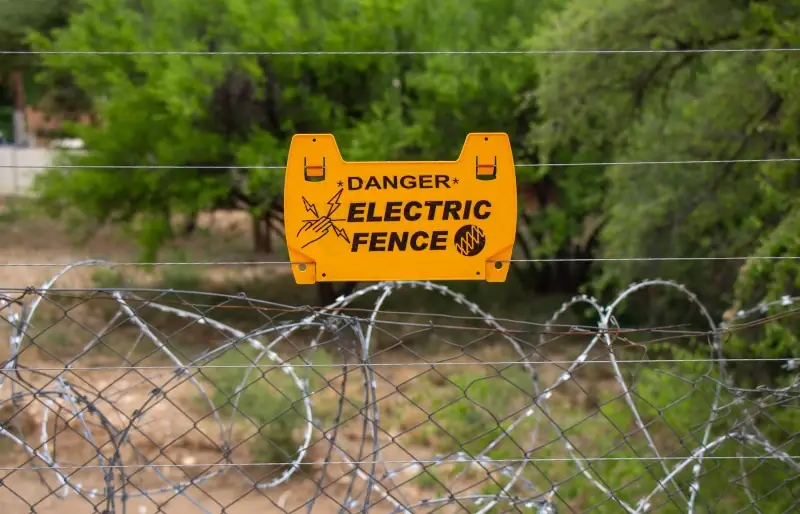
18, 166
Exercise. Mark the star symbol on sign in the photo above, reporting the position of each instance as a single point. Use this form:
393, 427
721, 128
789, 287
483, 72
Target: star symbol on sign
455, 181
340, 183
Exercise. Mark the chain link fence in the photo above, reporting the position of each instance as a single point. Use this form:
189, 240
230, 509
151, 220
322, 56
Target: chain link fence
126, 399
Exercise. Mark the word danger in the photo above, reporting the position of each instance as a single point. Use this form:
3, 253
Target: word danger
398, 182
411, 211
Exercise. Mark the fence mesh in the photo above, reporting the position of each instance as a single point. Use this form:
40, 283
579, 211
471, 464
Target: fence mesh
144, 400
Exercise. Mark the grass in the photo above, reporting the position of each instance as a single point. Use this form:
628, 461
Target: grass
181, 278
268, 411
468, 409
473, 408
465, 410
14, 209
107, 278
675, 403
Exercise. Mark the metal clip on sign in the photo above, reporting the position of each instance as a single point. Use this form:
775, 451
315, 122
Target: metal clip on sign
374, 221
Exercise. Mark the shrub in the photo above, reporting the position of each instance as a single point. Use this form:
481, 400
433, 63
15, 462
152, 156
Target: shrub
267, 411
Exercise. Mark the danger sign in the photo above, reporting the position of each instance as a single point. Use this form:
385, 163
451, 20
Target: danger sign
369, 221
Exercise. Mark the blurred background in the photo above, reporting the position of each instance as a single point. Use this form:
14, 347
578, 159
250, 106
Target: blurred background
620, 155
157, 130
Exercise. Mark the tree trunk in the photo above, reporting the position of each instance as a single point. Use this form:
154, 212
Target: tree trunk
267, 227
262, 233
559, 276
166, 213
191, 224
20, 123
257, 233
328, 292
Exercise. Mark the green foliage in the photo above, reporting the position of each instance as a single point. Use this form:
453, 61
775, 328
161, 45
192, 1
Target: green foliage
107, 278
233, 112
471, 409
672, 107
182, 278
204, 123
13, 209
6, 119
267, 411
675, 402
18, 18
775, 339
236, 112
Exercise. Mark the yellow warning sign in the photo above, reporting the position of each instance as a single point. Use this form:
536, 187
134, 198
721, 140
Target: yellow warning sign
372, 221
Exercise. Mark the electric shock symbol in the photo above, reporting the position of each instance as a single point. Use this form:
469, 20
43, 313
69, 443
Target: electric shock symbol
469, 240
318, 226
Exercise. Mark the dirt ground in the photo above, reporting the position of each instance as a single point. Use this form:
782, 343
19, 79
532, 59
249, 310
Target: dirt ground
177, 431
29, 239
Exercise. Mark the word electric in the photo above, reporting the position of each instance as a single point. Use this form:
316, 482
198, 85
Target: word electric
411, 211
444, 210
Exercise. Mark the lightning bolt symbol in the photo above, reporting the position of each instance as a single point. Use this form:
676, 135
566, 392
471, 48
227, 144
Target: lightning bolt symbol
341, 233
335, 204
310, 207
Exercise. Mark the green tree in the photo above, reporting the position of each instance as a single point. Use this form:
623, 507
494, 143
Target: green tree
213, 116
218, 116
438, 99
17, 19
681, 106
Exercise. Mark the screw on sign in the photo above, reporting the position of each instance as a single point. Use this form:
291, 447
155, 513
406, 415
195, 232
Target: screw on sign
373, 221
